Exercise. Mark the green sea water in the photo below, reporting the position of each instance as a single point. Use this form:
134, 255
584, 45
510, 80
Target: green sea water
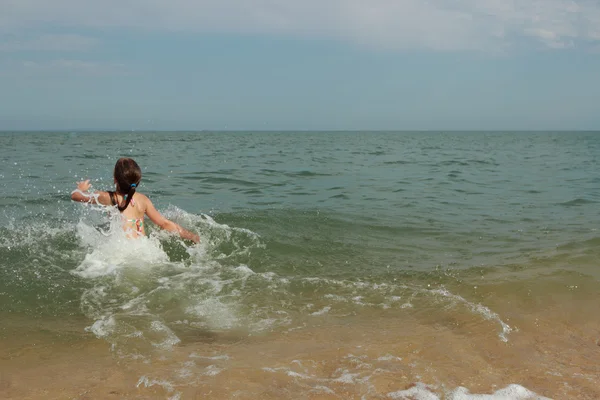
294, 225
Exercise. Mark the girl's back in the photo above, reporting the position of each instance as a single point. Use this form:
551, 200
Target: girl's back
133, 215
133, 206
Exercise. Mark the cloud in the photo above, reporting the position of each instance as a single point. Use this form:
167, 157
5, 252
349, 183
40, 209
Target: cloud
54, 43
447, 25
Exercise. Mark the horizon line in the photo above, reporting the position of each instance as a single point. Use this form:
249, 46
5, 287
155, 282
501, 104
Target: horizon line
116, 130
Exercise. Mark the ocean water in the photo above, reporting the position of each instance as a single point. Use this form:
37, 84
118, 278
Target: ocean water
405, 265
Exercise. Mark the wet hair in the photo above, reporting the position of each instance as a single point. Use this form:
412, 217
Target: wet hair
128, 175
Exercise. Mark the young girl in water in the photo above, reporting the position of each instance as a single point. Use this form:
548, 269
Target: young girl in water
132, 205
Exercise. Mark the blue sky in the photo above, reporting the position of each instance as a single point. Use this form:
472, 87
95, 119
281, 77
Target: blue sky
308, 65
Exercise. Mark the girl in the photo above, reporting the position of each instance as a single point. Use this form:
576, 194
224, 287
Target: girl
133, 206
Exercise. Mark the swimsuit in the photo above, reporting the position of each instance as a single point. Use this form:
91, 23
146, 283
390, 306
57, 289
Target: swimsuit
137, 223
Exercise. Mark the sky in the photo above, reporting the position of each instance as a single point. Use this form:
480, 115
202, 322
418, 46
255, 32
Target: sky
300, 65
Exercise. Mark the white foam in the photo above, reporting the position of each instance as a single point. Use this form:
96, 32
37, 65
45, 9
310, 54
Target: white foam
92, 268
168, 336
115, 250
210, 221
335, 297
244, 270
479, 309
361, 365
29, 235
346, 377
269, 323
212, 314
511, 392
103, 327
417, 392
185, 373
359, 373
322, 389
212, 370
147, 382
221, 357
358, 300
295, 374
322, 311
212, 233
389, 357
423, 392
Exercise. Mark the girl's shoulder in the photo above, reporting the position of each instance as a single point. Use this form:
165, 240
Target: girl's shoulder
103, 198
142, 199
140, 196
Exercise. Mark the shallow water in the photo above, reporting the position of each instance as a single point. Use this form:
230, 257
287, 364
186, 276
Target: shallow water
332, 265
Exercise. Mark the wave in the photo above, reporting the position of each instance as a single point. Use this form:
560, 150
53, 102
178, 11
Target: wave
145, 295
421, 391
305, 174
398, 162
215, 180
576, 202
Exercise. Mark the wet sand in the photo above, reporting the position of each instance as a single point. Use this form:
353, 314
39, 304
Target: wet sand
553, 351
321, 362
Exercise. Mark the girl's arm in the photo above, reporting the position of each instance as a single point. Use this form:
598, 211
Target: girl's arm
83, 195
168, 225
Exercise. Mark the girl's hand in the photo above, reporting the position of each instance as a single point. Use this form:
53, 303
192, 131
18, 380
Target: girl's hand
84, 186
185, 234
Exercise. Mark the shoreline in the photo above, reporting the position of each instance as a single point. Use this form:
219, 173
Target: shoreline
552, 352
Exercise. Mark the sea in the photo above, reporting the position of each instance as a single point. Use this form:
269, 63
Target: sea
332, 265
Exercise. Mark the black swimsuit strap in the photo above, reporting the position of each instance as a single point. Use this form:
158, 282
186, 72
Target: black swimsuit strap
113, 198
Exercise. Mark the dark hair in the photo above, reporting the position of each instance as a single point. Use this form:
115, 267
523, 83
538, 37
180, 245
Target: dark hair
128, 175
